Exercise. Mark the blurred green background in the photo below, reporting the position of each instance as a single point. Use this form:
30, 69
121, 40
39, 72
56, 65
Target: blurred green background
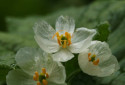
17, 18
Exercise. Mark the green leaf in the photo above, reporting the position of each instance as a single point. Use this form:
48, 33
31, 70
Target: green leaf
120, 80
3, 72
72, 67
7, 63
82, 79
102, 31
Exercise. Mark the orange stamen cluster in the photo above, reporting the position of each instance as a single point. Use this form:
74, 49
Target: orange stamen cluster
92, 59
64, 39
41, 79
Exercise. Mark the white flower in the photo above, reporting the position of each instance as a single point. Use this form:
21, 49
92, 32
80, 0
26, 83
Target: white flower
62, 41
98, 60
37, 68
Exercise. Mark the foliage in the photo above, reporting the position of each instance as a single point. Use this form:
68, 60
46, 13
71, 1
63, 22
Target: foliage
20, 34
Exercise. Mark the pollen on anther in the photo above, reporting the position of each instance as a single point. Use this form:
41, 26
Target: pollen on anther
34, 78
43, 70
96, 62
89, 54
44, 82
64, 45
38, 83
89, 58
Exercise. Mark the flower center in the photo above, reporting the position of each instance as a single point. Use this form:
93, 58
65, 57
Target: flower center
63, 39
42, 78
91, 58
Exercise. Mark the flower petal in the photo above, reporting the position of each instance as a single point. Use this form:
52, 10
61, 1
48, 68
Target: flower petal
80, 46
82, 33
87, 66
18, 77
44, 30
56, 72
62, 55
81, 39
108, 64
66, 24
30, 60
51, 83
47, 45
101, 49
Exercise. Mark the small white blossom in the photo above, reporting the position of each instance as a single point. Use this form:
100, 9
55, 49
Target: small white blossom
98, 60
37, 68
63, 41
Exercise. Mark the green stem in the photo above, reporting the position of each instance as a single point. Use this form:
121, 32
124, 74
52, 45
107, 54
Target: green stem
70, 77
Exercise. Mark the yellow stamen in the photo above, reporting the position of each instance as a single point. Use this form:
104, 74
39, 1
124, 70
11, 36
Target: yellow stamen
69, 39
89, 54
38, 83
92, 59
43, 70
44, 82
37, 76
69, 35
47, 75
96, 62
41, 79
34, 78
94, 56
57, 33
61, 36
66, 34
89, 58
69, 42
64, 45
59, 40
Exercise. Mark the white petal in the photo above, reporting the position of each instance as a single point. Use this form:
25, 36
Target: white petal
87, 66
66, 24
101, 49
81, 39
109, 66
80, 46
106, 66
44, 30
82, 33
51, 83
62, 55
56, 72
47, 45
18, 77
30, 60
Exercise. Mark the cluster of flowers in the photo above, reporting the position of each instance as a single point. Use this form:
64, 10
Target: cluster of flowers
43, 66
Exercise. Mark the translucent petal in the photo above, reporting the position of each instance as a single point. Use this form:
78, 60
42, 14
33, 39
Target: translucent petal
30, 60
62, 55
105, 67
80, 46
101, 49
47, 45
44, 30
87, 66
51, 83
109, 66
56, 72
66, 24
82, 33
81, 39
18, 77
